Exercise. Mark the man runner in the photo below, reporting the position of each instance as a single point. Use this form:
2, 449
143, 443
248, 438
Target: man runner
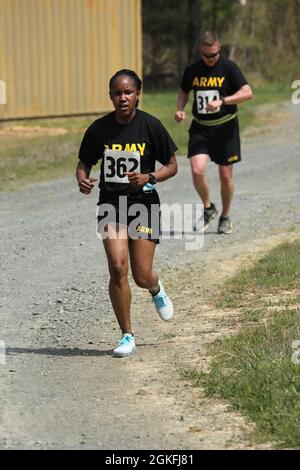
218, 87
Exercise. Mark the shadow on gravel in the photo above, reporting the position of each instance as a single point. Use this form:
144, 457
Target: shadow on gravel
59, 351
179, 234
172, 233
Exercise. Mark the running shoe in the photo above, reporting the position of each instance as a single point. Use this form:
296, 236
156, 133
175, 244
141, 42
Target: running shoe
208, 216
163, 304
225, 225
126, 346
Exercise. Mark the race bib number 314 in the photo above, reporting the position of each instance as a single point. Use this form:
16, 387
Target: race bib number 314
117, 163
203, 97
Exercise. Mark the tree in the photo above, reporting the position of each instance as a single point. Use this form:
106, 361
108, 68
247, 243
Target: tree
262, 36
194, 26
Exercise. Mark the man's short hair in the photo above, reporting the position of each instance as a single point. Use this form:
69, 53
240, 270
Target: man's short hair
209, 38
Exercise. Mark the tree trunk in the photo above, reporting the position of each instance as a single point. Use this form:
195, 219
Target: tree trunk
194, 26
214, 19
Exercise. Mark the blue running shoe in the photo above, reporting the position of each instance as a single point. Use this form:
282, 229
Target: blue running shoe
126, 346
163, 304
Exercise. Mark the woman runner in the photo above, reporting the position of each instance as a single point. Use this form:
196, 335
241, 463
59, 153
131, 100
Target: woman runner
128, 142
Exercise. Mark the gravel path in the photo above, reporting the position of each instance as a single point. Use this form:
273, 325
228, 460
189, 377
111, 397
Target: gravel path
60, 387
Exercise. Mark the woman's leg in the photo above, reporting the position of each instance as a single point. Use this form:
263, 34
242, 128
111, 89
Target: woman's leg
116, 248
141, 258
141, 254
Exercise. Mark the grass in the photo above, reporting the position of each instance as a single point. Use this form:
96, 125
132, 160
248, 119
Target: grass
264, 94
38, 156
37, 150
253, 370
279, 269
24, 161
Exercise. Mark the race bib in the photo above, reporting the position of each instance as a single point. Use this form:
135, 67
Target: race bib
117, 163
203, 97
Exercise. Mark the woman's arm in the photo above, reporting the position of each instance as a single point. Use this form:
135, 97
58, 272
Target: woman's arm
162, 174
167, 171
85, 183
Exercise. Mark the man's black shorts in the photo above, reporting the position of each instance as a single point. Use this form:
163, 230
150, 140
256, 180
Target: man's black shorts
221, 143
140, 212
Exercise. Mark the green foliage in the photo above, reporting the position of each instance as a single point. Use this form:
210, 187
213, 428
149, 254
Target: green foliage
263, 46
256, 370
278, 269
27, 160
255, 373
249, 32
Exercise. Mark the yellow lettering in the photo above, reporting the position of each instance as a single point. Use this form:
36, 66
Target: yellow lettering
203, 81
196, 82
130, 148
116, 147
221, 80
143, 229
212, 81
141, 148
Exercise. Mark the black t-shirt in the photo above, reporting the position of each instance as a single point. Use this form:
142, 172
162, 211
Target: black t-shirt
211, 83
144, 135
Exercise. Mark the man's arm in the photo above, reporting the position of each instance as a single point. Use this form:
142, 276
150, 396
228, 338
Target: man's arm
181, 102
85, 183
243, 94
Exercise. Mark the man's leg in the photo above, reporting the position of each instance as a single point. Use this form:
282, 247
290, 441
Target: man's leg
227, 188
198, 167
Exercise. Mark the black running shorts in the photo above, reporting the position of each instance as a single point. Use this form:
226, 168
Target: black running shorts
221, 143
139, 212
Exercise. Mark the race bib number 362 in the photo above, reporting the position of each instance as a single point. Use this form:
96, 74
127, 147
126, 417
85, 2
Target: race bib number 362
117, 163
